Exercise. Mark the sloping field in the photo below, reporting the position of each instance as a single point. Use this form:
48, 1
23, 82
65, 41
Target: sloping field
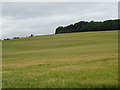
74, 60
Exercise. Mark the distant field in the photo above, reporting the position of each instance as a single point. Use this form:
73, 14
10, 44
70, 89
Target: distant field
73, 60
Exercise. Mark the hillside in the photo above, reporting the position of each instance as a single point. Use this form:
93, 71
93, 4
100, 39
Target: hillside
73, 60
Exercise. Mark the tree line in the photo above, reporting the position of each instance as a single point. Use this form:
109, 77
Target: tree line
85, 26
16, 37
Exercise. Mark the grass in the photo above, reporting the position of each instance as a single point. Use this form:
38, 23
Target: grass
73, 60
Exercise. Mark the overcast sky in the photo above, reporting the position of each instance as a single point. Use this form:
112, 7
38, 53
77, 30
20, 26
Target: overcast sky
22, 19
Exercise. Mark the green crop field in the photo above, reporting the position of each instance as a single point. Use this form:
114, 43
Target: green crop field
72, 60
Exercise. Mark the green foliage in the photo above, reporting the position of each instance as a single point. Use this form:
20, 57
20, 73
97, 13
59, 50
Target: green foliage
84, 26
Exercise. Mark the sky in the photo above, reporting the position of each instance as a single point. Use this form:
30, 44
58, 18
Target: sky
42, 18
60, 0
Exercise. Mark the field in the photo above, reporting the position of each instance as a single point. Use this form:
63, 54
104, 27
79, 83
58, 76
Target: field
73, 60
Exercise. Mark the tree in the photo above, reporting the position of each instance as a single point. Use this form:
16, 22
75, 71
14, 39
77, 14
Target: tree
84, 26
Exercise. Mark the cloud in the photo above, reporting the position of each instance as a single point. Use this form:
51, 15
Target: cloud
24, 27
23, 18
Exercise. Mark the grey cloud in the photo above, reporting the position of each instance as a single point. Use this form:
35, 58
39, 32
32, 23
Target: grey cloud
21, 19
24, 10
